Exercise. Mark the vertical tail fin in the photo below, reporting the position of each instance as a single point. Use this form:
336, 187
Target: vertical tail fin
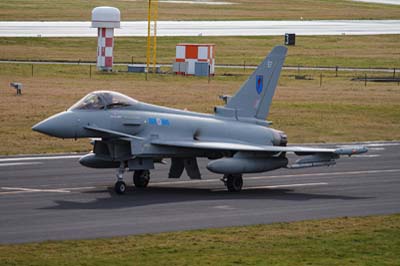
255, 96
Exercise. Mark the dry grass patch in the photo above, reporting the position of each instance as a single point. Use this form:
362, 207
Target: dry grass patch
340, 110
241, 9
349, 51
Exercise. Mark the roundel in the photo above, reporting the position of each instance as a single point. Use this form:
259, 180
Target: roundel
259, 84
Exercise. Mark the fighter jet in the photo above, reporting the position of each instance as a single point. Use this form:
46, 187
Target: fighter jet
237, 138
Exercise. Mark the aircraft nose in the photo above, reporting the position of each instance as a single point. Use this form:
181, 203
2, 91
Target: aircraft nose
62, 125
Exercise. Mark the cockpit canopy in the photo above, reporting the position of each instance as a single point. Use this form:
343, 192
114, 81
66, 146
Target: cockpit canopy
100, 100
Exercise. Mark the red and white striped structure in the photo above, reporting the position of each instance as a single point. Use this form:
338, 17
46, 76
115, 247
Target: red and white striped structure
105, 19
191, 53
105, 44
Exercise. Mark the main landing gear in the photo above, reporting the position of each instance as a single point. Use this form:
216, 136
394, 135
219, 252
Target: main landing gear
141, 179
233, 182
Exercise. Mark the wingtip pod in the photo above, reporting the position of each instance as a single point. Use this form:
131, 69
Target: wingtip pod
351, 150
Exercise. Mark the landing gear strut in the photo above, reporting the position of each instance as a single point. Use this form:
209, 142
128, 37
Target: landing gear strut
233, 182
141, 178
120, 186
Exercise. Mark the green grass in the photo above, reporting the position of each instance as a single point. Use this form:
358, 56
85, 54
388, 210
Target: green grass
242, 9
344, 241
345, 51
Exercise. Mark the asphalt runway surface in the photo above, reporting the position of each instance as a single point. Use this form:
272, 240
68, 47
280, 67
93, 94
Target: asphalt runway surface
54, 198
203, 28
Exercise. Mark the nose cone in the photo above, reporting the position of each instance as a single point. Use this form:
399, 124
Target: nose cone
62, 125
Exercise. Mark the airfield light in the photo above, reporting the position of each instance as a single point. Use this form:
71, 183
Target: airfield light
17, 86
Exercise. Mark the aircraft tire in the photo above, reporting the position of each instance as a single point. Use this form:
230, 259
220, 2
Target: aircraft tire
120, 187
141, 178
234, 183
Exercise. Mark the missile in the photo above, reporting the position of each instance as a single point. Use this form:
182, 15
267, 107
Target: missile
239, 165
314, 161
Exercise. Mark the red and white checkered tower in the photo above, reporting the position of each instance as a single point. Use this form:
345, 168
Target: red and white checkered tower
105, 19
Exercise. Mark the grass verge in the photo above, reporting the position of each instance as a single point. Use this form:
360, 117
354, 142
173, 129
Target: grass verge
343, 51
241, 9
343, 241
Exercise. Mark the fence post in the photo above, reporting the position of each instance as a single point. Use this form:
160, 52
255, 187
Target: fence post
90, 71
209, 73
337, 70
32, 70
320, 80
365, 85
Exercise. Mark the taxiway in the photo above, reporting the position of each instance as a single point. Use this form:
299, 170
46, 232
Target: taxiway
203, 28
54, 198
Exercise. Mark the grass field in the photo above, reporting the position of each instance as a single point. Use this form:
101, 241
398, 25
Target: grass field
353, 51
343, 241
339, 110
241, 9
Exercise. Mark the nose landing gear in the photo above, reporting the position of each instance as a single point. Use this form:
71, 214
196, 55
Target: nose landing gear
120, 186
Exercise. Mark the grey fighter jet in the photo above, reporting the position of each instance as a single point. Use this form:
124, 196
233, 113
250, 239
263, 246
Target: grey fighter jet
237, 139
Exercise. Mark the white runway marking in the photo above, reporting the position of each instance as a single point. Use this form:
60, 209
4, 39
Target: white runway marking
366, 155
381, 144
201, 2
19, 190
280, 186
377, 149
39, 158
386, 2
329, 174
289, 185
224, 207
278, 176
17, 164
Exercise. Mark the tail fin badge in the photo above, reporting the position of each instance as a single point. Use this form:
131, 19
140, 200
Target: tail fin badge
259, 83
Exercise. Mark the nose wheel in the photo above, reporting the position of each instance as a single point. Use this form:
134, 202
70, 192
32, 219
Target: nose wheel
233, 182
120, 186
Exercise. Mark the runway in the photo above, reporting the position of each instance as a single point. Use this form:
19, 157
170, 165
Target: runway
54, 198
203, 28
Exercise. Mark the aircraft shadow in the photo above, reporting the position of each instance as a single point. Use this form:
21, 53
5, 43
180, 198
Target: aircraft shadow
164, 195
